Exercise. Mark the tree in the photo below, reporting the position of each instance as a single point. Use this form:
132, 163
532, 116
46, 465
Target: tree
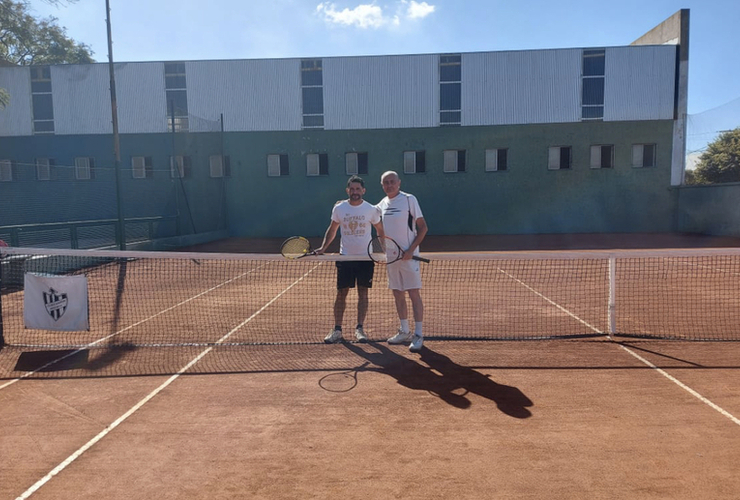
721, 161
26, 40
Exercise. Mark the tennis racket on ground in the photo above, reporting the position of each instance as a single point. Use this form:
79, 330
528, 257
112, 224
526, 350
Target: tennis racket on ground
296, 247
387, 251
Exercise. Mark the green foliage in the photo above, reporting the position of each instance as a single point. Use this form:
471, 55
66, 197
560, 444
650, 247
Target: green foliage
26, 40
720, 162
690, 177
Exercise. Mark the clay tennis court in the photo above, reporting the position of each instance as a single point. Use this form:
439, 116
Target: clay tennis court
591, 417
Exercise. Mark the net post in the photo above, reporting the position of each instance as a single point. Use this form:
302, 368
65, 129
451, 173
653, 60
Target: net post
2, 336
612, 295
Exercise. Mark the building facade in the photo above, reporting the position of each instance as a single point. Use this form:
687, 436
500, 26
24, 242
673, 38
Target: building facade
538, 141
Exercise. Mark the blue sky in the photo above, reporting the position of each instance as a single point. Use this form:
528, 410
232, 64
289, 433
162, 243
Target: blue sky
158, 30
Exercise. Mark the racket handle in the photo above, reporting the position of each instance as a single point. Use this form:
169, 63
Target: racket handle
420, 259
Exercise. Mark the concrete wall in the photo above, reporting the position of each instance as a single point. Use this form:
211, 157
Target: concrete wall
527, 198
713, 210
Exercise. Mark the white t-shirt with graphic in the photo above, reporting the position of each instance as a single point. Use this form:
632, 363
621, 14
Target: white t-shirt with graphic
355, 224
396, 222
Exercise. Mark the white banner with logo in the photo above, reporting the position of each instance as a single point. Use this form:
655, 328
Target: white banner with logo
55, 302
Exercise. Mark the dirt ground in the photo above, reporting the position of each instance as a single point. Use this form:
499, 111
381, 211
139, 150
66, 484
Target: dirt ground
588, 419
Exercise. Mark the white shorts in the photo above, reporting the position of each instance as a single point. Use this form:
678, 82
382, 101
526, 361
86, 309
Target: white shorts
404, 275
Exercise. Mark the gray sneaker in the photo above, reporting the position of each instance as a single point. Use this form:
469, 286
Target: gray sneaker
360, 334
400, 337
416, 342
333, 337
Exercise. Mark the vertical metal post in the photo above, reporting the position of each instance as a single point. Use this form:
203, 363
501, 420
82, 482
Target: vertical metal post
612, 295
2, 337
116, 139
175, 170
224, 204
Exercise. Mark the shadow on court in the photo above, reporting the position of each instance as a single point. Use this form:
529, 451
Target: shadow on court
443, 378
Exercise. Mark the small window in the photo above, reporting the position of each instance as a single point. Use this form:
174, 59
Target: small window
356, 163
84, 168
142, 167
277, 165
643, 155
43, 168
454, 160
594, 62
313, 100
593, 92
450, 90
414, 162
497, 159
220, 166
43, 108
449, 97
6, 171
180, 167
317, 164
602, 156
311, 73
313, 121
559, 158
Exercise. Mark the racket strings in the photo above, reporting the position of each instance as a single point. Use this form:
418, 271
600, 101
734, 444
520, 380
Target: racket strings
296, 247
382, 250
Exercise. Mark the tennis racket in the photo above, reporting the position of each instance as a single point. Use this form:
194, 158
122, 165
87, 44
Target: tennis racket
387, 251
296, 247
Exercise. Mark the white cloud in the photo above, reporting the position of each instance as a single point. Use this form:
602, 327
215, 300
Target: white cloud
418, 10
363, 16
371, 15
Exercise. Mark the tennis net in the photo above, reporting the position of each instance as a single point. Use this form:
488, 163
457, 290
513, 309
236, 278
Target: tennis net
173, 298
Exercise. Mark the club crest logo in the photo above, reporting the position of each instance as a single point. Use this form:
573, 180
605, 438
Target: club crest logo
55, 303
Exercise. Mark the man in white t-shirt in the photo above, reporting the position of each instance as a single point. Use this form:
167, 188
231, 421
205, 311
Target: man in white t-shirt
354, 218
404, 223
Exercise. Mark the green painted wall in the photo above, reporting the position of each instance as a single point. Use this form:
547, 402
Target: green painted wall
713, 210
63, 198
527, 198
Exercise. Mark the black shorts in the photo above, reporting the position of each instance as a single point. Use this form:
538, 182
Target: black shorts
351, 271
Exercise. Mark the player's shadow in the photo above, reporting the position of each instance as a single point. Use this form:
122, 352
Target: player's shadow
444, 378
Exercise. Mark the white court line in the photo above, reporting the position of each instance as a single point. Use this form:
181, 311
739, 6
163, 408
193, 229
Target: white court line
551, 302
28, 374
684, 386
673, 379
74, 456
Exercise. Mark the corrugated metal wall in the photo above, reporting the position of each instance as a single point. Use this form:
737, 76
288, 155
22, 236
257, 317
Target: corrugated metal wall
506, 88
142, 105
17, 118
498, 88
81, 99
381, 92
254, 95
640, 83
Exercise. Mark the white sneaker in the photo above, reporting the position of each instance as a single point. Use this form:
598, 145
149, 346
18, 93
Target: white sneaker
416, 342
400, 338
333, 337
360, 334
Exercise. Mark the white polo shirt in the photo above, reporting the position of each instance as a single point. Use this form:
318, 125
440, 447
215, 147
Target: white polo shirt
396, 223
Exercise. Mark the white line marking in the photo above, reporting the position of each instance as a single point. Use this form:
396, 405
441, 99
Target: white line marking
684, 386
551, 302
28, 374
673, 379
74, 456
